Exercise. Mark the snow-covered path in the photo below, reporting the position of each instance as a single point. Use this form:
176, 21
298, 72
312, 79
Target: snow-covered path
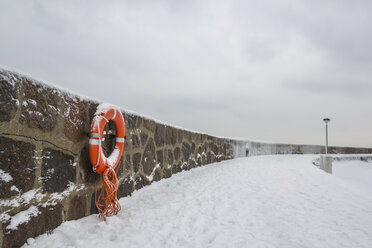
269, 201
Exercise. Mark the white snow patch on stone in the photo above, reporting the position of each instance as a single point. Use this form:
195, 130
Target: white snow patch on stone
23, 199
14, 188
151, 177
32, 101
5, 177
22, 217
29, 195
54, 198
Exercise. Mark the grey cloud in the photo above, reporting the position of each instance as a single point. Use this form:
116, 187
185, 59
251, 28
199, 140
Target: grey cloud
349, 86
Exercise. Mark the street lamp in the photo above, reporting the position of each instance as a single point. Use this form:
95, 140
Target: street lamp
326, 120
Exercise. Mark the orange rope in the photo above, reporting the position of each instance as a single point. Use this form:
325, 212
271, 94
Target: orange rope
107, 202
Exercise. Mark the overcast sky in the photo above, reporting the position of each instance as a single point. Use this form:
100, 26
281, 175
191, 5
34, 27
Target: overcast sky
267, 70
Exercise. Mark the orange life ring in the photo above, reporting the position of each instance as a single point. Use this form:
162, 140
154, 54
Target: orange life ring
96, 155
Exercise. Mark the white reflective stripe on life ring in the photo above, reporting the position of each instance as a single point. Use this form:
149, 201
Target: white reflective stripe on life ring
114, 115
95, 135
120, 140
95, 142
101, 116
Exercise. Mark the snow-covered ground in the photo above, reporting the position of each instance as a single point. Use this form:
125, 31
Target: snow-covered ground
356, 173
268, 201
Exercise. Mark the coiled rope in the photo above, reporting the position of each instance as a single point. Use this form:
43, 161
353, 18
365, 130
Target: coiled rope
107, 202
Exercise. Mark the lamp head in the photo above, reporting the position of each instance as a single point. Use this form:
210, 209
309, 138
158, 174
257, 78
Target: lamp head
326, 120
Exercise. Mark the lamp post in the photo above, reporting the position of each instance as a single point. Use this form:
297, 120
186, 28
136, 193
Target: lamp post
326, 120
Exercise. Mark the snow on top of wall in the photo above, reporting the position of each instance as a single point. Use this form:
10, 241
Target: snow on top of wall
9, 72
22, 217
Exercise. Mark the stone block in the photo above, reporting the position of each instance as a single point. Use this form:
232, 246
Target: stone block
186, 135
171, 135
131, 121
75, 118
89, 176
199, 161
177, 153
157, 175
215, 149
144, 137
204, 159
77, 209
127, 163
160, 157
210, 146
127, 146
200, 150
47, 219
186, 151
224, 149
176, 168
229, 150
148, 157
120, 167
149, 125
136, 162
170, 157
180, 136
135, 141
58, 170
140, 182
167, 173
8, 101
93, 208
17, 162
205, 147
139, 121
126, 188
40, 106
211, 158
196, 137
159, 135
191, 164
92, 111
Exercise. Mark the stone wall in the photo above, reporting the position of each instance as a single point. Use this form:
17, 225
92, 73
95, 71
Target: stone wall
45, 174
